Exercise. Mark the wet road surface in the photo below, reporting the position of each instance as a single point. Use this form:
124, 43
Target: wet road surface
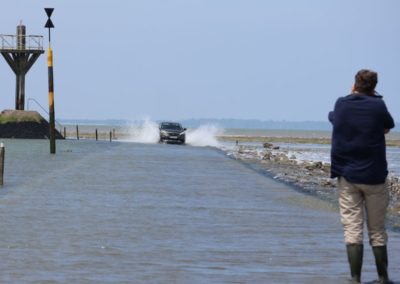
143, 213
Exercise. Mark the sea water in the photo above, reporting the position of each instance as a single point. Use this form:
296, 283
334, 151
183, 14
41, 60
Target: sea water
136, 211
128, 212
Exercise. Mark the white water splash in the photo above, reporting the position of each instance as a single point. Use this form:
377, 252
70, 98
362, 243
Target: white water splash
205, 135
147, 131
144, 132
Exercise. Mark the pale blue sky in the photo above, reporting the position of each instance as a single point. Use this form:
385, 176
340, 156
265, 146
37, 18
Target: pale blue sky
181, 59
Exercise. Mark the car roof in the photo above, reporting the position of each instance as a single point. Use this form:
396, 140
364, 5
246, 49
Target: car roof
169, 122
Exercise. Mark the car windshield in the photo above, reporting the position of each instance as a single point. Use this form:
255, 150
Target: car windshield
172, 126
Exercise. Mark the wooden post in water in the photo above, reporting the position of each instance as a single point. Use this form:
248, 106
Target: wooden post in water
1, 164
97, 137
110, 136
65, 132
77, 132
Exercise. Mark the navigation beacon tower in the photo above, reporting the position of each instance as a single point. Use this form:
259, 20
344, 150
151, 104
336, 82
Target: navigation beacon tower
21, 52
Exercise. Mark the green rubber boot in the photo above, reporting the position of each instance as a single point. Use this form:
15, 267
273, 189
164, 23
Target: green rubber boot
355, 256
381, 260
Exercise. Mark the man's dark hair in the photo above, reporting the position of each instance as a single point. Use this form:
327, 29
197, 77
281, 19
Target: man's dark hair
365, 81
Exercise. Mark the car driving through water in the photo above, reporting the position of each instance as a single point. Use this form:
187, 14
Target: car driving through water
172, 132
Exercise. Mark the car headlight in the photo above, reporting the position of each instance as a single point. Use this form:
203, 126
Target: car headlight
165, 133
182, 133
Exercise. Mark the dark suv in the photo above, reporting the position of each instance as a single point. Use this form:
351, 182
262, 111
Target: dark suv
172, 132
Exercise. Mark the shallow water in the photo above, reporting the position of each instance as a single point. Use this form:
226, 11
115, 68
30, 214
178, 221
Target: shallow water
100, 212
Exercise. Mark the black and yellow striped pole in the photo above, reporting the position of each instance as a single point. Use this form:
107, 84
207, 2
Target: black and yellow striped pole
49, 25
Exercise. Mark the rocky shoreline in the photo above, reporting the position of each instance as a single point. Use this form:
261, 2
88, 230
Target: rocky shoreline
309, 177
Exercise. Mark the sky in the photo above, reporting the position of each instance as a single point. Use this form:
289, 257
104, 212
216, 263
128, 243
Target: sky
182, 59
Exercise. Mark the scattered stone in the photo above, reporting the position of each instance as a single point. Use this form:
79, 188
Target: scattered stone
327, 183
267, 156
268, 145
311, 176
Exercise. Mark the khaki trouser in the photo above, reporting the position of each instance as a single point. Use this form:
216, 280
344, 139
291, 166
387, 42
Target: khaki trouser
354, 200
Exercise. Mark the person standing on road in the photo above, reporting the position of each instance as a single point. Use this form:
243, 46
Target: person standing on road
358, 159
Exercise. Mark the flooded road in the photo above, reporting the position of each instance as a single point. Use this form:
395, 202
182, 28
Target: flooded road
100, 212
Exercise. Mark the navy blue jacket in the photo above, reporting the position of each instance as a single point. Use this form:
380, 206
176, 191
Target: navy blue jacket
358, 150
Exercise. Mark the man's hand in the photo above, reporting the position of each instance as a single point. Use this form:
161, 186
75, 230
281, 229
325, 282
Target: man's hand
386, 130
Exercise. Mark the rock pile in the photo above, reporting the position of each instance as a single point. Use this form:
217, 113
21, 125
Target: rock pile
309, 176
